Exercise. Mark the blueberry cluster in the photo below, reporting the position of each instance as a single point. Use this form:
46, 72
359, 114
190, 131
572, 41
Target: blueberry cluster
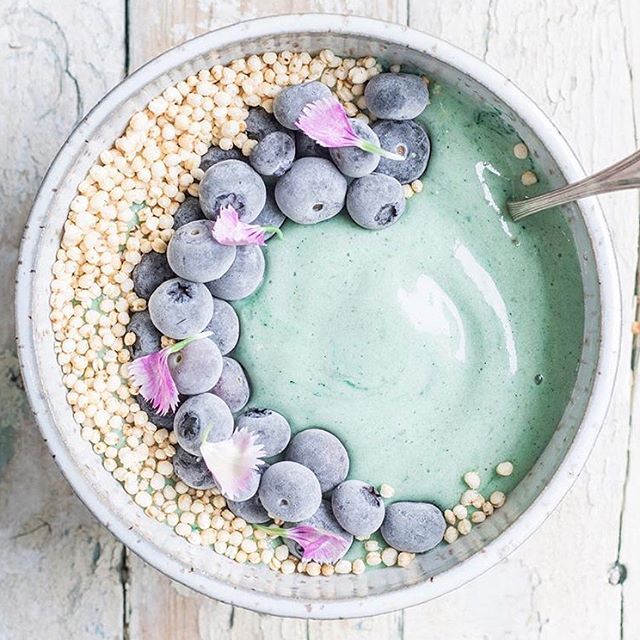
287, 176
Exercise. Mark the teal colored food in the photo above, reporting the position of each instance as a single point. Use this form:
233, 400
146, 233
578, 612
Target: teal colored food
444, 343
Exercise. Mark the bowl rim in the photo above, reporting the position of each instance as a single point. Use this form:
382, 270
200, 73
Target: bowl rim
608, 354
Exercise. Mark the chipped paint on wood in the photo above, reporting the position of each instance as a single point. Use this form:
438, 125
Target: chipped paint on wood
580, 60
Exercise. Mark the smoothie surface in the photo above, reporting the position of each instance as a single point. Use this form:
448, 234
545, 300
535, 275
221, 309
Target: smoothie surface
448, 342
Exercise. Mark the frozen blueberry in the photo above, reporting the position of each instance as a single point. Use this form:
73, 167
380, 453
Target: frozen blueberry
272, 429
250, 510
188, 211
311, 191
232, 386
260, 124
216, 154
147, 336
413, 526
270, 216
355, 162
375, 201
152, 270
358, 507
199, 414
274, 154
289, 103
408, 139
192, 470
307, 147
324, 519
163, 422
194, 255
396, 96
321, 452
244, 276
235, 183
289, 491
180, 309
224, 326
196, 367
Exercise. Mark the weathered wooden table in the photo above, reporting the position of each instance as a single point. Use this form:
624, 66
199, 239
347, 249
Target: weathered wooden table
62, 576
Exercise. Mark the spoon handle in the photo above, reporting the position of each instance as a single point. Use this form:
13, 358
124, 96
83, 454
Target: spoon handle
621, 175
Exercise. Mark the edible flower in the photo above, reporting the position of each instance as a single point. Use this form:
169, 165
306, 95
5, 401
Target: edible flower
326, 122
232, 462
228, 229
317, 544
152, 374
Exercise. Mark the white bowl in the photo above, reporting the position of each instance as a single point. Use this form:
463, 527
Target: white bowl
256, 586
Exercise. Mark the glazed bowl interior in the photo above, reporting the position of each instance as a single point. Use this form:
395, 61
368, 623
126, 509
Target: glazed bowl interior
256, 586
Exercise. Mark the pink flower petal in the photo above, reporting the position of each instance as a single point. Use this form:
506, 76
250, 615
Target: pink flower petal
328, 124
233, 461
228, 229
151, 373
317, 544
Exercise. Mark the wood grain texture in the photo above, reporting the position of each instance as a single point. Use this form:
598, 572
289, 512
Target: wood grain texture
156, 25
579, 60
59, 569
569, 57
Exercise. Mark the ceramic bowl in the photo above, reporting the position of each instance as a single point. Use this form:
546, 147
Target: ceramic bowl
256, 586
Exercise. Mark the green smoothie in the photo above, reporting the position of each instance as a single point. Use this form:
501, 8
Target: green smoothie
445, 343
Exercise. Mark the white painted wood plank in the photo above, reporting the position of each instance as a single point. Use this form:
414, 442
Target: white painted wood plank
625, 570
570, 57
59, 569
157, 25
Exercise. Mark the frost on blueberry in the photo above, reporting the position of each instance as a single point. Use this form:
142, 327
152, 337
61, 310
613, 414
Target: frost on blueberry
196, 368
271, 428
396, 96
180, 309
200, 415
408, 139
232, 386
235, 183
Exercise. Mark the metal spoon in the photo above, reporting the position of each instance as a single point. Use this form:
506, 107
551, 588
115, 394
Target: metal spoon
622, 175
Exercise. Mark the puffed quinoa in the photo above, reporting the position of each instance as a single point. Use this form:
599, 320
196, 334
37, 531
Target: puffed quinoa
520, 151
460, 511
282, 552
357, 566
468, 497
497, 499
472, 479
371, 545
387, 491
449, 516
464, 527
451, 535
343, 567
288, 567
504, 469
389, 556
405, 559
529, 178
